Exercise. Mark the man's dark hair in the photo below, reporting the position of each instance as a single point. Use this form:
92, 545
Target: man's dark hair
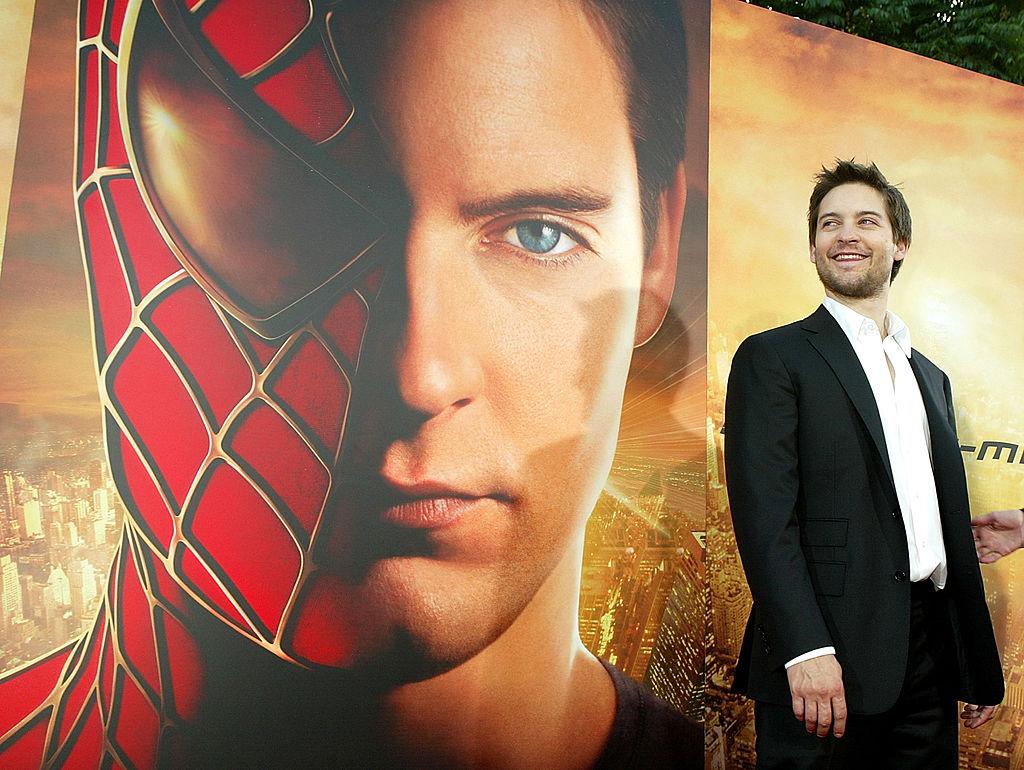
851, 172
648, 41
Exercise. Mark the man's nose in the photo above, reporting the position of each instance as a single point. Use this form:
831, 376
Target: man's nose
437, 364
848, 233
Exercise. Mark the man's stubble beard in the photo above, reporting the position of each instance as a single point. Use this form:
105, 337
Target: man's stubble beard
866, 286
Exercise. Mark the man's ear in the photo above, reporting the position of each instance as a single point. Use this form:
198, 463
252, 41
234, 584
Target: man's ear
901, 251
659, 276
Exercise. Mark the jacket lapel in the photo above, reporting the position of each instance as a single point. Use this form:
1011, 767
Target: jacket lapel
832, 344
934, 399
944, 443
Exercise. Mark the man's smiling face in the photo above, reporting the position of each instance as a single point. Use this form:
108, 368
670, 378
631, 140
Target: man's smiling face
853, 248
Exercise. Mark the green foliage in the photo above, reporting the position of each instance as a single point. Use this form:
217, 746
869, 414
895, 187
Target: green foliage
979, 36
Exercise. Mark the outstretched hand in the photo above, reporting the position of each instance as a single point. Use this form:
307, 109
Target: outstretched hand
819, 700
997, 534
976, 716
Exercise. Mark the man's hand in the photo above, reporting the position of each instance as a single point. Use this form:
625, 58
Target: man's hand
819, 700
997, 534
976, 716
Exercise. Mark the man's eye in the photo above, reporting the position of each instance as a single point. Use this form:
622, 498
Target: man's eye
539, 237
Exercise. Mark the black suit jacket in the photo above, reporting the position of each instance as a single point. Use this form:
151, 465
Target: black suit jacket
818, 523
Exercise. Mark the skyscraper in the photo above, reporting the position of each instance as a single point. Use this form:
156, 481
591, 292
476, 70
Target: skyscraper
9, 498
31, 519
11, 606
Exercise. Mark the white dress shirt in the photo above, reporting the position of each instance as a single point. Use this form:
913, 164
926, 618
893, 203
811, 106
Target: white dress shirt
886, 363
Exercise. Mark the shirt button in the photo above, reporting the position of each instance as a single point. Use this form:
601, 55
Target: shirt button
900, 576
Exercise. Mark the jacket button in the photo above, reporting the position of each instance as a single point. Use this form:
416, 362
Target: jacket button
900, 576
895, 514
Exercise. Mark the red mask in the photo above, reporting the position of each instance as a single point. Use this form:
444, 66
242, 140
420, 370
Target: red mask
233, 245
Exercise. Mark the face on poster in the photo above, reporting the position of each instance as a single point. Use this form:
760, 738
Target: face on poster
363, 316
950, 139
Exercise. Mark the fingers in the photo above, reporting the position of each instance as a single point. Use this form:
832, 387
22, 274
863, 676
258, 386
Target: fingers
987, 712
809, 712
839, 715
824, 719
975, 716
991, 546
983, 520
811, 716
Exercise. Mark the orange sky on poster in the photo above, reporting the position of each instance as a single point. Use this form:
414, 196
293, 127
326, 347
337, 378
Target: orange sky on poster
44, 339
14, 35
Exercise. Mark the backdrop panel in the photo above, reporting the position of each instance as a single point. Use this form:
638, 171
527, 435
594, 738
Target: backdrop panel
786, 98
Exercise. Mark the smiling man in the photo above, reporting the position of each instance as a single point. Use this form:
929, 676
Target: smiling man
850, 509
366, 280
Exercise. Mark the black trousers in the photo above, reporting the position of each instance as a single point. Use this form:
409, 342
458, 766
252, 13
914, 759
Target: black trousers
919, 731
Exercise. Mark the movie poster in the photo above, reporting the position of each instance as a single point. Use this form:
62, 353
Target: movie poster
353, 395
952, 140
